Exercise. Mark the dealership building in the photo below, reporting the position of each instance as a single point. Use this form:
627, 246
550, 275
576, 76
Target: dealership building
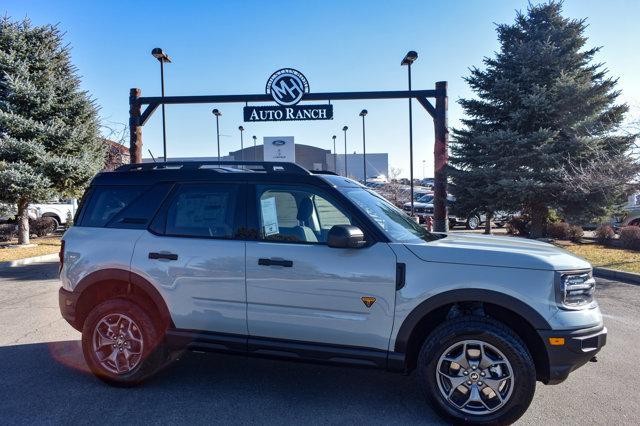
283, 148
314, 158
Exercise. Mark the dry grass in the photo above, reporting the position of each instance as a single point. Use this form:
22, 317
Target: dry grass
606, 257
46, 245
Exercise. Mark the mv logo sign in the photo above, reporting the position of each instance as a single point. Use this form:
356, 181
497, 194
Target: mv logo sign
287, 87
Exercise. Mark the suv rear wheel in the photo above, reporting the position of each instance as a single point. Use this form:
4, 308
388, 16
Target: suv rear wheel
476, 370
121, 343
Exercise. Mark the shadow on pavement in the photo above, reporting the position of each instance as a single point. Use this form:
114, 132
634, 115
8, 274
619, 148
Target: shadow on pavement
49, 382
33, 272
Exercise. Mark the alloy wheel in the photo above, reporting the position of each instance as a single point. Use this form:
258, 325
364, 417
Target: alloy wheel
474, 377
117, 343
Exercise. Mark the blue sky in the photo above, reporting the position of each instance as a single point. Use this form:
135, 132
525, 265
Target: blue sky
232, 47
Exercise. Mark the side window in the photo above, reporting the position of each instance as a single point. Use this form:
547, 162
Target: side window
106, 202
297, 214
203, 210
139, 212
328, 214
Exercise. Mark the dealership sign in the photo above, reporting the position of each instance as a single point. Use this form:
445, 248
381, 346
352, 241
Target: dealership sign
287, 87
279, 148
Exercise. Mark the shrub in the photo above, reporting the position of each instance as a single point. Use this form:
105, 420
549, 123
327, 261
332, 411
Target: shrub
575, 233
630, 237
605, 234
558, 231
8, 231
42, 226
519, 225
69, 222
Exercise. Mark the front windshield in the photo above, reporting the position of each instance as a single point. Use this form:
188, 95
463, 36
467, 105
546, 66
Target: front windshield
393, 221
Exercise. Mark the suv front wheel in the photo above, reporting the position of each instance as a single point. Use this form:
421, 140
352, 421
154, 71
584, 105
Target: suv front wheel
121, 343
476, 370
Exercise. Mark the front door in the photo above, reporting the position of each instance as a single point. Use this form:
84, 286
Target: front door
194, 260
300, 289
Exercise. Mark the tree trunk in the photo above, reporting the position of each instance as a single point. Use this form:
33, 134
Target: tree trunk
487, 223
23, 221
539, 216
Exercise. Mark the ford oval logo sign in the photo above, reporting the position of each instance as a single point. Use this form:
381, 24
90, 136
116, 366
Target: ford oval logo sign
287, 86
279, 142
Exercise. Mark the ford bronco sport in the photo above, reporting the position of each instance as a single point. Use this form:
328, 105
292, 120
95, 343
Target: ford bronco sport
270, 259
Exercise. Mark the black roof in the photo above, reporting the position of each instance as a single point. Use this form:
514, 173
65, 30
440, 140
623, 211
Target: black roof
222, 171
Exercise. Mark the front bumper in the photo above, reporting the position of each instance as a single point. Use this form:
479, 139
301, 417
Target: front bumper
579, 347
67, 301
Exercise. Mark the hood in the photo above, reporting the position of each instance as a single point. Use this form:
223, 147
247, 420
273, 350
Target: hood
507, 252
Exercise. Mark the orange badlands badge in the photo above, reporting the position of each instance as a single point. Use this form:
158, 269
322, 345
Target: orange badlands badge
368, 301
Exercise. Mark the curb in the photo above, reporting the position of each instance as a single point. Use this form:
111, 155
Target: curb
628, 277
29, 260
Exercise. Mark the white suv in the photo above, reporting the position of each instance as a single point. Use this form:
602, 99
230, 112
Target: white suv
269, 259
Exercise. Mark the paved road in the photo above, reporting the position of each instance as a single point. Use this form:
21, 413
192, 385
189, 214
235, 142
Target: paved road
43, 378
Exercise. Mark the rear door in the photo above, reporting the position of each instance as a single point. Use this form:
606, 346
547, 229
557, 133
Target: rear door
192, 255
300, 289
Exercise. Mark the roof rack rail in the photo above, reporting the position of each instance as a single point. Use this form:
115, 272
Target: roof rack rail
323, 172
247, 166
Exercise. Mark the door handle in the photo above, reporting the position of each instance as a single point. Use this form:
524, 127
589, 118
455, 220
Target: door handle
168, 256
275, 262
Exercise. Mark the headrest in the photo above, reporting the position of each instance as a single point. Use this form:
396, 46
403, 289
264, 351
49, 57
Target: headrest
305, 209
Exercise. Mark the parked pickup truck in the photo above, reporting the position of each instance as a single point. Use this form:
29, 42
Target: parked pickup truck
59, 211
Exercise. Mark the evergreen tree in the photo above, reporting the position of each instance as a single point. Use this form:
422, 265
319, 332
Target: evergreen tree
49, 142
545, 118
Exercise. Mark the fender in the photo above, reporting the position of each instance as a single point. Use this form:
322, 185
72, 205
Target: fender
131, 279
466, 295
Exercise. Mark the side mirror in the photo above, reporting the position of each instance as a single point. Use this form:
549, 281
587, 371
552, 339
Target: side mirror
345, 236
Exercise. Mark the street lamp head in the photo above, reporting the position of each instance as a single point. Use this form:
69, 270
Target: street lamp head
241, 128
216, 112
409, 58
363, 112
254, 137
333, 137
160, 55
345, 128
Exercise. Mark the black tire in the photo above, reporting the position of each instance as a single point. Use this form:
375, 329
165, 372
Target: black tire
56, 222
494, 333
153, 355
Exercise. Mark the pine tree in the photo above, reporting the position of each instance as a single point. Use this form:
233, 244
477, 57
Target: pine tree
545, 119
49, 143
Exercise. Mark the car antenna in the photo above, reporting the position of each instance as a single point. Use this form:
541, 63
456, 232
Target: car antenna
151, 154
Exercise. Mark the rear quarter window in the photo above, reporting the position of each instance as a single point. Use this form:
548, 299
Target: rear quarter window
107, 202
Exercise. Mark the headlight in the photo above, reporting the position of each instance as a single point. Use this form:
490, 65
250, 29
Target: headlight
576, 289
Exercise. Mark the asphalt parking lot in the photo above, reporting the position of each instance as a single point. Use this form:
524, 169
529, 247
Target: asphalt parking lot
44, 379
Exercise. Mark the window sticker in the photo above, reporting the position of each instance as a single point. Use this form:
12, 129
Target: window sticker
269, 216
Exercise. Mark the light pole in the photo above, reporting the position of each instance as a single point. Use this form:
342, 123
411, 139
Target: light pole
363, 114
241, 143
424, 175
217, 113
255, 153
344, 129
335, 155
162, 58
408, 59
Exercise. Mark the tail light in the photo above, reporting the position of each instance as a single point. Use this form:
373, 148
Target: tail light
61, 254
